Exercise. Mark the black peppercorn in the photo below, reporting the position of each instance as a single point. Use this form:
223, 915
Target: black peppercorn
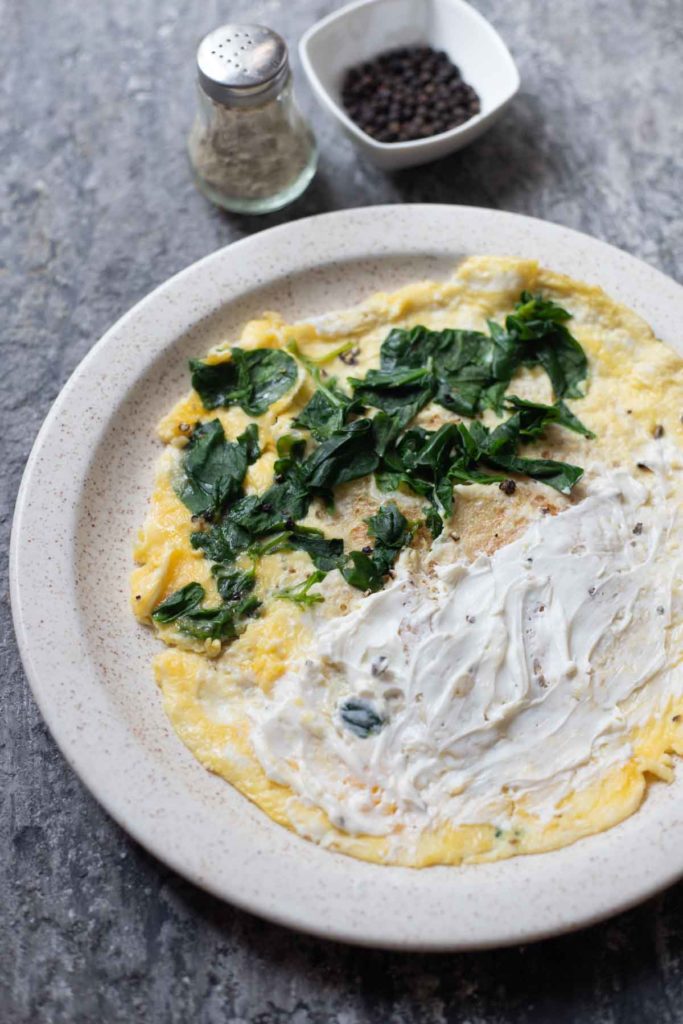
408, 93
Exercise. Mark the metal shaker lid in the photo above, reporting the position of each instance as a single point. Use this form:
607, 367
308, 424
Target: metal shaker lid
242, 65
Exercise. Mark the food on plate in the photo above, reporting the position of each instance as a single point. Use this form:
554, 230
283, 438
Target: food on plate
417, 567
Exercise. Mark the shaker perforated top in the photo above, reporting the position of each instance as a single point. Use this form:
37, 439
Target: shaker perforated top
241, 65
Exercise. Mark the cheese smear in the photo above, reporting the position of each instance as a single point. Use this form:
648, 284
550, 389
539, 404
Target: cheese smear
513, 679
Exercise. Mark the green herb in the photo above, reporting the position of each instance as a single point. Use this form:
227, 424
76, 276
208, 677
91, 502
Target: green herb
391, 532
213, 469
221, 623
252, 379
558, 413
179, 603
433, 521
348, 454
400, 392
331, 407
300, 593
538, 324
498, 447
361, 572
466, 371
366, 570
233, 584
324, 552
360, 717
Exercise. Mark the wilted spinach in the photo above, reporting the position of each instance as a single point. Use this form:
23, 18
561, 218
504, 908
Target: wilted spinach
213, 469
391, 532
330, 407
464, 371
360, 717
467, 371
220, 623
300, 593
252, 379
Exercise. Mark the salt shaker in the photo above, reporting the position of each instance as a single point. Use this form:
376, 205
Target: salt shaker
250, 148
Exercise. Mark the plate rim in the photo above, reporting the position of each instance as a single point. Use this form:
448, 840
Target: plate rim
376, 937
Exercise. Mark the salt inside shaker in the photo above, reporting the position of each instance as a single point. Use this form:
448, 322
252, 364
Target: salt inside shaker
250, 148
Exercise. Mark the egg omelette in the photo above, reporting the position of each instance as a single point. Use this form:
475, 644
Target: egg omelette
417, 566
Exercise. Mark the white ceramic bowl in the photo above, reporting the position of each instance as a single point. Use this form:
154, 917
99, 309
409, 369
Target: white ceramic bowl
362, 29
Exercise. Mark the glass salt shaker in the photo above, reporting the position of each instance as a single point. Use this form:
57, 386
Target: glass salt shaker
250, 148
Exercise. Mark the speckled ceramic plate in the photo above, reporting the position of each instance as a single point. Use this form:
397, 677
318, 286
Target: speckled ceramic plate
84, 492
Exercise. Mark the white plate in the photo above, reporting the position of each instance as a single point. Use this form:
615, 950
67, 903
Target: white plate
84, 492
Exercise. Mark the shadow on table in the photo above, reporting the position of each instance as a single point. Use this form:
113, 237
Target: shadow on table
563, 979
499, 171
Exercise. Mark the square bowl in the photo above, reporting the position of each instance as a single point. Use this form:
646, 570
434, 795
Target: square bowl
361, 30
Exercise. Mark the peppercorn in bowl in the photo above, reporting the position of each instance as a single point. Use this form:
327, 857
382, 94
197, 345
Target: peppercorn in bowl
409, 81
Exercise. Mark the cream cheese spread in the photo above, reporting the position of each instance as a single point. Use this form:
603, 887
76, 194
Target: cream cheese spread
514, 678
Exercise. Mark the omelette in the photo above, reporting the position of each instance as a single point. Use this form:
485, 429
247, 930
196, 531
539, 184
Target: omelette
416, 566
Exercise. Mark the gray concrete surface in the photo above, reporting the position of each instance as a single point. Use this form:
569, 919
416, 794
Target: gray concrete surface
97, 208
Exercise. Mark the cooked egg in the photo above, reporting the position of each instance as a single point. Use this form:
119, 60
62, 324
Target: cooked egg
524, 670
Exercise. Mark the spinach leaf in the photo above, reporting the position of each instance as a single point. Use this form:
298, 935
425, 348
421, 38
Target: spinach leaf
183, 608
277, 508
253, 517
250, 443
389, 527
300, 593
433, 521
361, 572
324, 552
348, 454
209, 624
412, 349
421, 461
252, 379
499, 448
538, 324
391, 532
558, 413
180, 603
360, 717
327, 411
467, 371
223, 541
386, 430
330, 408
560, 475
213, 469
400, 392
289, 446
233, 584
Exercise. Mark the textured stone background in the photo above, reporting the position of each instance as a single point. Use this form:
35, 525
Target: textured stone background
97, 209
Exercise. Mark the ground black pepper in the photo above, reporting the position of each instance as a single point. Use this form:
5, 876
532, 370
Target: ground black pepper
409, 93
